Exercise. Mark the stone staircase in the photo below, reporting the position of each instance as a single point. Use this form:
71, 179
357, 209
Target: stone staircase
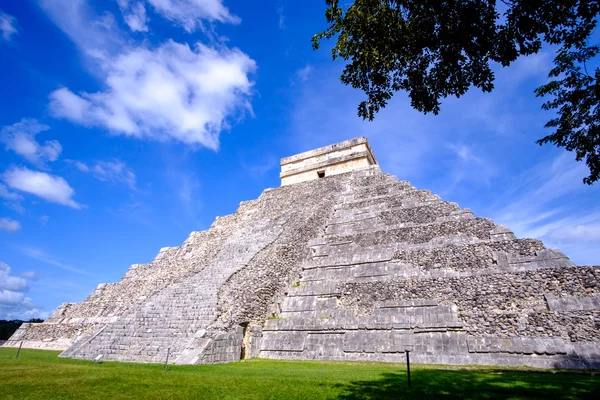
179, 315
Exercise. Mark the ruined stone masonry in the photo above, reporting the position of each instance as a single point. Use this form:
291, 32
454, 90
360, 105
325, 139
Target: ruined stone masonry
342, 262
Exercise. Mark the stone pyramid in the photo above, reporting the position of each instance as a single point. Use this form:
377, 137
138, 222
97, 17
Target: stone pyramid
342, 262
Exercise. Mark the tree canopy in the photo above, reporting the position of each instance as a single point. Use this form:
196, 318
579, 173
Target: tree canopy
433, 49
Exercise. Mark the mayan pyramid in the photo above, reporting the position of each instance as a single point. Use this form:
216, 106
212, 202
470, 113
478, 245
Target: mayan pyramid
342, 262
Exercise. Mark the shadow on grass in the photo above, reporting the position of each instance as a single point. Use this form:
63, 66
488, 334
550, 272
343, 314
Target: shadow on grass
474, 384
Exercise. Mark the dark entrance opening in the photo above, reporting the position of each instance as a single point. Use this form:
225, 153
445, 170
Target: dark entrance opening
245, 341
321, 174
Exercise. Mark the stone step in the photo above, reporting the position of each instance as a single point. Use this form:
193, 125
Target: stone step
410, 198
471, 229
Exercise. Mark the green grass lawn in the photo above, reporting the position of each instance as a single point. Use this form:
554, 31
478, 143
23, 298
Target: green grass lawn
42, 375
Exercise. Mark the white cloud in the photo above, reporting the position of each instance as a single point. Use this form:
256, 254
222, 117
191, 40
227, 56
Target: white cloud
109, 171
9, 225
190, 13
172, 92
10, 282
7, 26
15, 206
303, 73
9, 297
20, 138
96, 35
14, 303
281, 17
48, 187
134, 14
29, 275
7, 194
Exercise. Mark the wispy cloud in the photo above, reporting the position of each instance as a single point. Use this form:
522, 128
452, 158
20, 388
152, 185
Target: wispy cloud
8, 195
259, 167
136, 211
468, 163
115, 171
185, 193
134, 14
40, 255
20, 138
189, 14
9, 225
97, 36
303, 74
583, 233
8, 26
187, 189
281, 16
549, 202
48, 187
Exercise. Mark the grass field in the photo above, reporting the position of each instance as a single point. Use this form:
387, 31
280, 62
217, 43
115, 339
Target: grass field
42, 375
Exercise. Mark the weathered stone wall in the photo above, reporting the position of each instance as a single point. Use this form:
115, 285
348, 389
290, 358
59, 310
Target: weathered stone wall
398, 268
501, 304
356, 266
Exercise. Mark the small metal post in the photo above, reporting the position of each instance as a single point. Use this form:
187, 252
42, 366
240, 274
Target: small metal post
18, 351
408, 367
167, 361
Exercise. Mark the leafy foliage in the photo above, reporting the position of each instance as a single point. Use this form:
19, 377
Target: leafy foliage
7, 328
433, 49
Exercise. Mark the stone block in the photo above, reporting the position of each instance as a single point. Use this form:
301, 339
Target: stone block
283, 341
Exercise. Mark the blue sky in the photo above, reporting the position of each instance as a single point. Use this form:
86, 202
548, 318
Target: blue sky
127, 124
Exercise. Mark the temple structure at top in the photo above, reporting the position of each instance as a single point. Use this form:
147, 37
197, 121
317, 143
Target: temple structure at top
349, 155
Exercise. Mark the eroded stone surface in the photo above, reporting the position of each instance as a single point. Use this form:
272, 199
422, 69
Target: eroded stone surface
353, 266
